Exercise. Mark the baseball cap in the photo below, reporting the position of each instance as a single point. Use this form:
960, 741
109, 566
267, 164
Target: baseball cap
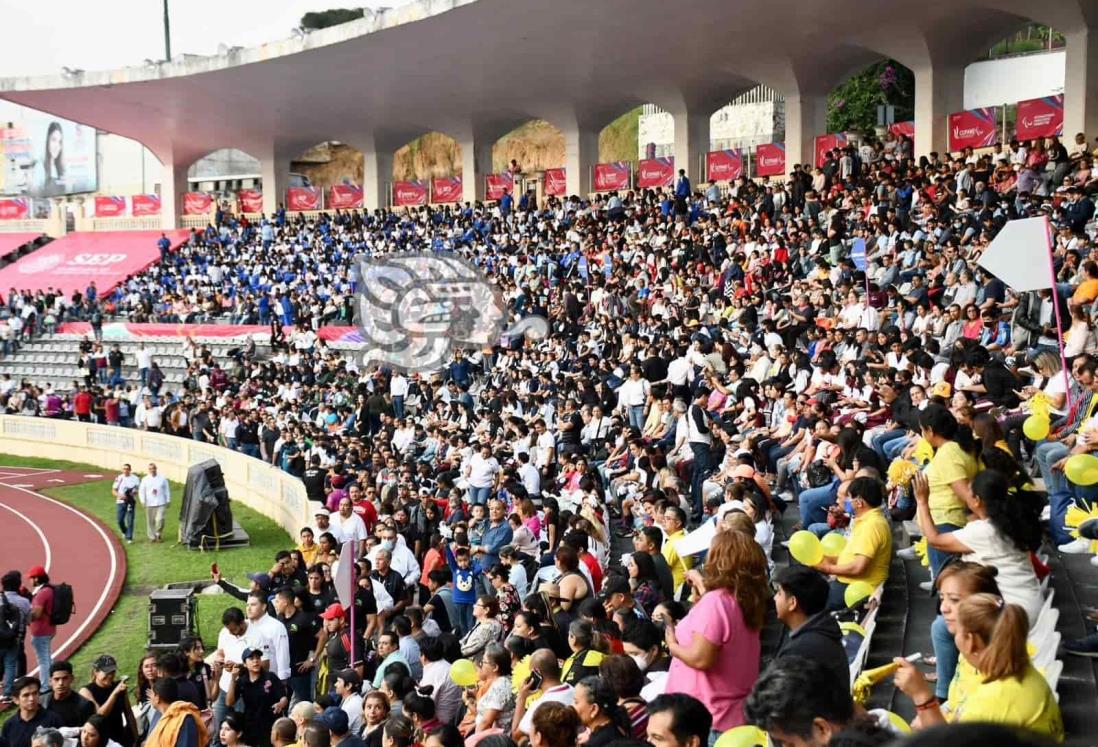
36, 572
261, 579
250, 652
333, 611
941, 389
105, 664
335, 719
322, 511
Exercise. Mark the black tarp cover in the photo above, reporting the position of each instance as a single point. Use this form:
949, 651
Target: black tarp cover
205, 512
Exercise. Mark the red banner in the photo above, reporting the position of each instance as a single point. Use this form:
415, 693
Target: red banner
907, 129
408, 194
770, 159
302, 198
109, 206
723, 165
826, 143
143, 205
251, 200
1042, 117
15, 208
497, 185
556, 182
611, 176
446, 189
197, 203
655, 172
974, 128
345, 197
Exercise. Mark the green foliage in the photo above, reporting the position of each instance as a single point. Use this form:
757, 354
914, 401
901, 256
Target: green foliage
618, 140
852, 106
326, 18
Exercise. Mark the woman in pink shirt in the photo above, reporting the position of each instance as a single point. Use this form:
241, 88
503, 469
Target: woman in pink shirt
715, 648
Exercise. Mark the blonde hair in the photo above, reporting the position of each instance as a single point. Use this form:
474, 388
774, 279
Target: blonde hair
1002, 629
738, 521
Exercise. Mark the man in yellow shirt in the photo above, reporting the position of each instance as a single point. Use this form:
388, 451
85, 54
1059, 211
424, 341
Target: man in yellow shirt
868, 553
674, 523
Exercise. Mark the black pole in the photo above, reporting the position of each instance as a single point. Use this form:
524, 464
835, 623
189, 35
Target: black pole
167, 34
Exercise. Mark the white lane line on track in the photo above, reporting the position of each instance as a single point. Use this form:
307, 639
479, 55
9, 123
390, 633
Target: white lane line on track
60, 652
38, 530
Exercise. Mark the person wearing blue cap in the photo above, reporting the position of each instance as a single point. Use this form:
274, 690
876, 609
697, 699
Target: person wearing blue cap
335, 719
262, 693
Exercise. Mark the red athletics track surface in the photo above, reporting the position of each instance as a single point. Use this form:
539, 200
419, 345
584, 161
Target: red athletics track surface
74, 548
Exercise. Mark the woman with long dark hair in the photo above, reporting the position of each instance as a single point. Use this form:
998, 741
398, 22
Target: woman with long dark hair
50, 179
948, 474
644, 581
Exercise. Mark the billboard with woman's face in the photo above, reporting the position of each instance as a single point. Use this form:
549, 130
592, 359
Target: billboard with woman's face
45, 156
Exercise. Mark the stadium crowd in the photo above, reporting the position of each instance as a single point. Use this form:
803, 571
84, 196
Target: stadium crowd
714, 359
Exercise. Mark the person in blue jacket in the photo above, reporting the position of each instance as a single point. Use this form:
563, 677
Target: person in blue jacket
467, 576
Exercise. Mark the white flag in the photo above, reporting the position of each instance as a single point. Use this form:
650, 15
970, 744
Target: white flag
1019, 255
343, 578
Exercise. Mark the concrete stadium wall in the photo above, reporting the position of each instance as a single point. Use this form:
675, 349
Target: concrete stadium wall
259, 486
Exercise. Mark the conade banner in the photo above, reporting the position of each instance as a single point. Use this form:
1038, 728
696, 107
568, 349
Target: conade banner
302, 198
410, 193
197, 203
611, 176
556, 182
655, 172
446, 189
723, 165
345, 197
251, 200
770, 159
974, 128
497, 185
144, 205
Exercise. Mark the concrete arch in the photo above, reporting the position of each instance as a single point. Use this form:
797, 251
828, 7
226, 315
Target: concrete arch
329, 163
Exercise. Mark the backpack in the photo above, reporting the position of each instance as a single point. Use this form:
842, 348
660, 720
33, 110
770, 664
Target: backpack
63, 604
9, 622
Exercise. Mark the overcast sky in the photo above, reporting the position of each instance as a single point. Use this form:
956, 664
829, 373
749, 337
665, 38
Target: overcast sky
42, 36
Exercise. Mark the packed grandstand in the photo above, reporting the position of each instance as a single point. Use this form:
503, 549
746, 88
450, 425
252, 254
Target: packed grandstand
747, 398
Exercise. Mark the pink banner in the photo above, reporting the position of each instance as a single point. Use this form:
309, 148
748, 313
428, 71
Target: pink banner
907, 129
1042, 117
556, 182
122, 330
15, 208
73, 261
345, 197
723, 165
109, 206
302, 198
974, 128
12, 242
409, 194
143, 205
826, 143
497, 185
251, 200
612, 176
446, 189
197, 203
770, 159
655, 172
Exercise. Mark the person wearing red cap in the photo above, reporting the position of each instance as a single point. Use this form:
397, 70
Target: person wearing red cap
335, 642
41, 629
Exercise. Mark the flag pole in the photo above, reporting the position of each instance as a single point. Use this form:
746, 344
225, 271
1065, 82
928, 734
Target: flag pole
1056, 312
354, 584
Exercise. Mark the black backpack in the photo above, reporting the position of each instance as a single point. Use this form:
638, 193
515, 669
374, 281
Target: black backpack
63, 604
9, 622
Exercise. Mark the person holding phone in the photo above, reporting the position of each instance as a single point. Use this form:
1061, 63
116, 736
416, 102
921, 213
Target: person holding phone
544, 681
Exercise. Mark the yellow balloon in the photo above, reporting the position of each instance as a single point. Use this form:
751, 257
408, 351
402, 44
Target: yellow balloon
1035, 427
833, 544
464, 673
1082, 469
805, 547
742, 736
857, 591
898, 723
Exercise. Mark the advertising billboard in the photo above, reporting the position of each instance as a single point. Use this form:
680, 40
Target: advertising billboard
723, 165
556, 182
655, 172
46, 156
975, 128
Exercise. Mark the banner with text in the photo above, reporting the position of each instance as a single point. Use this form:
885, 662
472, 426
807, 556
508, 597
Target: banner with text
345, 197
723, 165
827, 143
907, 129
145, 205
15, 208
408, 194
197, 203
770, 159
251, 200
655, 172
1042, 117
556, 182
612, 176
446, 189
302, 198
110, 206
497, 185
973, 128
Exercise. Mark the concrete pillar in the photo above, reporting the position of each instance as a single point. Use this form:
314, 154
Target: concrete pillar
173, 185
691, 142
1081, 84
805, 118
581, 153
274, 168
476, 163
939, 91
377, 176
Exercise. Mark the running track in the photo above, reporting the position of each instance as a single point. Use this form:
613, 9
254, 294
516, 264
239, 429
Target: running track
74, 548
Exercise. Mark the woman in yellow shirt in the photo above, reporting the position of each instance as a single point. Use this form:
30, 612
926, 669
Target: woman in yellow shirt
949, 473
1007, 689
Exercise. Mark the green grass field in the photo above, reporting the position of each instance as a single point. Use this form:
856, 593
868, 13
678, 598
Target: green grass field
124, 634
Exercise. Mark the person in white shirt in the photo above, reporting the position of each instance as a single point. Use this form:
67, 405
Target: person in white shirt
347, 687
401, 559
154, 492
124, 490
436, 673
544, 662
271, 634
531, 478
347, 524
481, 472
152, 414
398, 390
632, 397
233, 638
144, 363
545, 451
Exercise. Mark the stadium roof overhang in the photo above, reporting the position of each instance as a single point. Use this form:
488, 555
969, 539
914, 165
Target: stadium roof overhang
485, 66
